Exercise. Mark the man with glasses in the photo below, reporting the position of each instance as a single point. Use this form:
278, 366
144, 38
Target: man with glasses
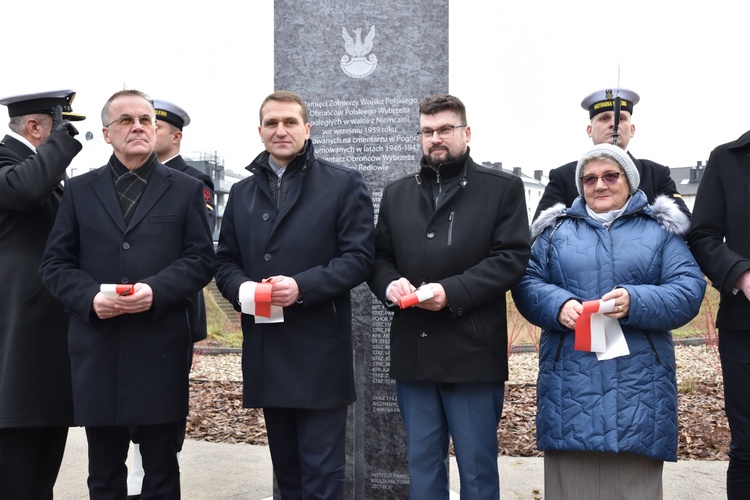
601, 105
36, 403
170, 120
129, 249
450, 242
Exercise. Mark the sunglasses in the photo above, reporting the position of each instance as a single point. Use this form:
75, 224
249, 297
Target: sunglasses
609, 178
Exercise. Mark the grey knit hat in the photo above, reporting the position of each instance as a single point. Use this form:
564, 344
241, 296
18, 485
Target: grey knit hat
615, 154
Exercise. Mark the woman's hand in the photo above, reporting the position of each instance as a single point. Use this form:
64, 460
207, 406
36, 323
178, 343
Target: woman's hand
569, 313
622, 303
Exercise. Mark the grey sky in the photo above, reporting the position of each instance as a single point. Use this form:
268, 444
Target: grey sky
522, 69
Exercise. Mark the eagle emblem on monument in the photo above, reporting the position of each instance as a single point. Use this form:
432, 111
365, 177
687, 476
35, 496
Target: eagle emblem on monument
358, 64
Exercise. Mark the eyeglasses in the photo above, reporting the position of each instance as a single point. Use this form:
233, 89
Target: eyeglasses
608, 178
129, 121
442, 132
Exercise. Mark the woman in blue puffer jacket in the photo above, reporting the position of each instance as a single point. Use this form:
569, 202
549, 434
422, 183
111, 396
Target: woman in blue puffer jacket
606, 427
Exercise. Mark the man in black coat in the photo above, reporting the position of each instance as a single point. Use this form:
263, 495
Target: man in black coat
138, 223
720, 242
303, 228
170, 120
459, 233
655, 179
36, 405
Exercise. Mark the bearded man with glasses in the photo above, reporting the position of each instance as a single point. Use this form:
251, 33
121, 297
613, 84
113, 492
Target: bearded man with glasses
455, 235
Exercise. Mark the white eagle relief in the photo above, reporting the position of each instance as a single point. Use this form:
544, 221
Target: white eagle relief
358, 64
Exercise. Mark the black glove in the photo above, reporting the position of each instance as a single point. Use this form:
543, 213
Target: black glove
62, 125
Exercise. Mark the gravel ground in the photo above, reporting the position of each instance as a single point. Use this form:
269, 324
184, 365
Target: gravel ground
216, 412
695, 365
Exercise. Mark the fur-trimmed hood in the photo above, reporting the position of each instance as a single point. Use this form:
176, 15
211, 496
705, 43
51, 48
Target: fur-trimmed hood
664, 210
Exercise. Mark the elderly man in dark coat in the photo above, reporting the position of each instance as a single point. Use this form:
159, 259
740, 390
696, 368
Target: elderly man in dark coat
305, 226
133, 222
36, 404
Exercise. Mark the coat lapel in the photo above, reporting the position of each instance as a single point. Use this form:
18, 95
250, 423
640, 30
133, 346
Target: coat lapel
158, 183
104, 186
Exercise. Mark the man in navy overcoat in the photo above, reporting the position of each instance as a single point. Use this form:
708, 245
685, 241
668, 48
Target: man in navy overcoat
130, 222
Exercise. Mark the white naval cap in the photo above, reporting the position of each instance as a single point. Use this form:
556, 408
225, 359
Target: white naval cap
171, 113
604, 100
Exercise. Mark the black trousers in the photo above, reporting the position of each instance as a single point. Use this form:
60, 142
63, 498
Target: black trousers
108, 451
308, 451
30, 459
734, 350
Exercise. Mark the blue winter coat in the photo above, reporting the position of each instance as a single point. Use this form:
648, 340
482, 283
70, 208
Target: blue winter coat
626, 404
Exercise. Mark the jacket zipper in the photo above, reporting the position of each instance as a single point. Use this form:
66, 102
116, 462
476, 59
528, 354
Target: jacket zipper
440, 188
450, 228
653, 348
559, 349
278, 193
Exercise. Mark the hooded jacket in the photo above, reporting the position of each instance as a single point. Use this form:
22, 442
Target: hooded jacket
629, 403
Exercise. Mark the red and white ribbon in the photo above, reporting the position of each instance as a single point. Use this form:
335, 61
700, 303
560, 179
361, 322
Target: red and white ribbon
255, 299
598, 333
112, 291
415, 297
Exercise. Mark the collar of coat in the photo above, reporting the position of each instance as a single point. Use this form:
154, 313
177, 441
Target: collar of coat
447, 170
298, 162
120, 169
741, 142
664, 210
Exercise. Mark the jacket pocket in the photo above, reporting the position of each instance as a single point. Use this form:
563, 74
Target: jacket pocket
479, 329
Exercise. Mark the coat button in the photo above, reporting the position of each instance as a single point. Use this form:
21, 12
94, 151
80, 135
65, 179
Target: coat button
267, 257
124, 280
460, 311
431, 234
126, 246
266, 216
423, 335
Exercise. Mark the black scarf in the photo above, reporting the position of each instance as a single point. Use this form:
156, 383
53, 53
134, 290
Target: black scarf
130, 184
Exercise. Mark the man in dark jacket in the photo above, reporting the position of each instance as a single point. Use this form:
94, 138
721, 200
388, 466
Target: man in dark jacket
138, 223
720, 242
299, 232
170, 120
36, 405
456, 234
655, 179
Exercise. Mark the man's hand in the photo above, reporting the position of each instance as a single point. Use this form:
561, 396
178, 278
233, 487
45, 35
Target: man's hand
285, 291
438, 301
58, 123
140, 300
398, 289
743, 284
